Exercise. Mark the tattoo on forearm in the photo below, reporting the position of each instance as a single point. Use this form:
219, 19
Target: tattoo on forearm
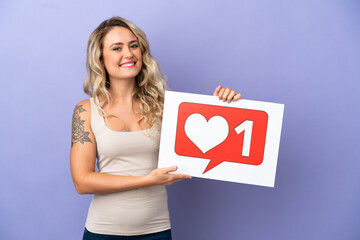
78, 129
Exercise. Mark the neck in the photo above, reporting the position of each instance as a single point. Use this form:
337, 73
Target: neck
122, 90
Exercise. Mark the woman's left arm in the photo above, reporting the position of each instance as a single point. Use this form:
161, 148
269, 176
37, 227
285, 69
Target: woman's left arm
226, 94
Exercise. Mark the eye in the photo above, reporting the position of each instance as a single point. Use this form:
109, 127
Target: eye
117, 49
134, 46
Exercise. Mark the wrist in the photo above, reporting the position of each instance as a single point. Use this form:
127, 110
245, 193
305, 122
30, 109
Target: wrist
148, 180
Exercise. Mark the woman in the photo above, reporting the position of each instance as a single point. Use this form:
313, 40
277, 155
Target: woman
119, 125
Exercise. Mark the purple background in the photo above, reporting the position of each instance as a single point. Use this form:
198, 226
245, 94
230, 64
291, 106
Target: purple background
303, 53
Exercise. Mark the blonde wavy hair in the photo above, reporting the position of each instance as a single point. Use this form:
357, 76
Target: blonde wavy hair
150, 82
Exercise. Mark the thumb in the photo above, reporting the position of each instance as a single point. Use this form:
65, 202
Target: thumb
170, 169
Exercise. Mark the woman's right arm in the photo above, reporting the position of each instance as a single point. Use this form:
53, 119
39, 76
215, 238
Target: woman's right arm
83, 160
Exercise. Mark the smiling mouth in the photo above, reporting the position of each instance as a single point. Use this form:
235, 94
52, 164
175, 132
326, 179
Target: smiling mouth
131, 64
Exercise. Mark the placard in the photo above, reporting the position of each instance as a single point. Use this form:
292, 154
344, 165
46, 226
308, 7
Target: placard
208, 138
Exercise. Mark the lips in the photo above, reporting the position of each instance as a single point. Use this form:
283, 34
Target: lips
127, 64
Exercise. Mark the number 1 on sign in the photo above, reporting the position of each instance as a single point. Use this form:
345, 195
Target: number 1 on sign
245, 126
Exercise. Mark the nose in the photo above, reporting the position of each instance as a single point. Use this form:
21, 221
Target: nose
127, 52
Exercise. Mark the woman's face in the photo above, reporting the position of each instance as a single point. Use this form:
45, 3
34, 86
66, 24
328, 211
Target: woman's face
121, 54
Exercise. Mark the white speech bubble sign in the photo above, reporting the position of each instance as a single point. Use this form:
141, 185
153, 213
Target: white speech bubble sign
262, 175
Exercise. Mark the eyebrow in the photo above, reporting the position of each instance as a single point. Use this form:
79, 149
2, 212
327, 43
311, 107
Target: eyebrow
120, 43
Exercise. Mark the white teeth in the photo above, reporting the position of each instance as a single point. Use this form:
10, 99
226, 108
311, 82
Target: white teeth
128, 64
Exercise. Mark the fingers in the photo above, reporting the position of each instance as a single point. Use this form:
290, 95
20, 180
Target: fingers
217, 90
168, 169
183, 176
177, 178
177, 175
231, 96
237, 97
224, 93
163, 176
227, 94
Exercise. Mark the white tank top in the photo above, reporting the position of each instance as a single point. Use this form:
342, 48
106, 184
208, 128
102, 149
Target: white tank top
132, 212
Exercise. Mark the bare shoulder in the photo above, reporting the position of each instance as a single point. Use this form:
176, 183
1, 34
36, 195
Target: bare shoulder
83, 108
81, 129
84, 104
